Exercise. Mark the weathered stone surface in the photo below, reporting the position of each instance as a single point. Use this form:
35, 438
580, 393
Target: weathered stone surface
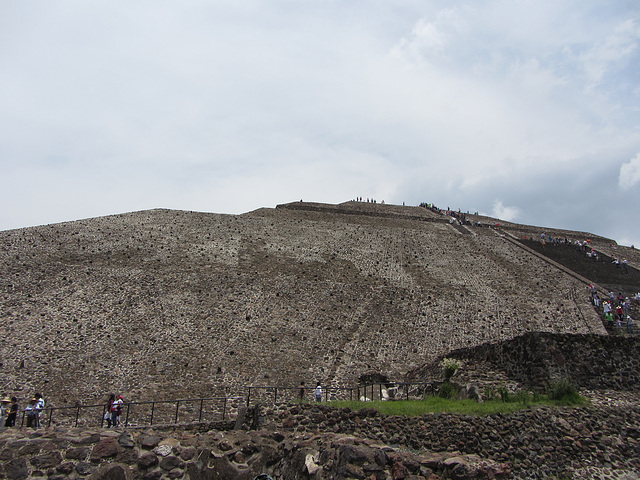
112, 471
411, 286
336, 293
171, 462
46, 460
16, 469
150, 441
187, 453
147, 461
84, 468
107, 447
163, 450
77, 453
126, 440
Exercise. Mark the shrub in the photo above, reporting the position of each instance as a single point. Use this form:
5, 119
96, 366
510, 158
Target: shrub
564, 391
504, 394
449, 367
447, 390
522, 397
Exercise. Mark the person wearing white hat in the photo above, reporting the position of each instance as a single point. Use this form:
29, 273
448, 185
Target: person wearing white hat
3, 409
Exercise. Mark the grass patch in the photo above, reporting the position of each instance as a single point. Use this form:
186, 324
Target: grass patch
563, 392
434, 404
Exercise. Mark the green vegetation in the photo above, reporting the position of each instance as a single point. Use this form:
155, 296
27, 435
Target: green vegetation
449, 367
433, 404
506, 403
563, 392
447, 390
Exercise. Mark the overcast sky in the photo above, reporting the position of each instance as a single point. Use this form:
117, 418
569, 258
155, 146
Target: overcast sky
524, 110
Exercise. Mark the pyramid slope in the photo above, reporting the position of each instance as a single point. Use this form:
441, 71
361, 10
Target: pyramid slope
166, 304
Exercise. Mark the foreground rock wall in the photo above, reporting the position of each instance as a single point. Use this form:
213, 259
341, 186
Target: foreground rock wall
318, 442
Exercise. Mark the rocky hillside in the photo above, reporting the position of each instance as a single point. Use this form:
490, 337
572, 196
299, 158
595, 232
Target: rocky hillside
169, 304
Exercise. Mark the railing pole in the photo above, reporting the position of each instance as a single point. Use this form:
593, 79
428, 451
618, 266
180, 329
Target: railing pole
104, 410
126, 420
153, 406
50, 416
177, 406
77, 415
275, 395
248, 397
201, 404
224, 408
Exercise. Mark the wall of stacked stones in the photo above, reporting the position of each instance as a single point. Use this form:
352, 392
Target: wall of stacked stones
165, 304
317, 442
536, 359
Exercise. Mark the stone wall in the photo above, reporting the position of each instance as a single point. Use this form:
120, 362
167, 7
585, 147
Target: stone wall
318, 442
536, 359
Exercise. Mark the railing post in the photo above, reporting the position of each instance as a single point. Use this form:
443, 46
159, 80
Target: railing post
177, 406
224, 408
201, 404
77, 415
275, 394
153, 406
104, 410
248, 397
126, 420
50, 416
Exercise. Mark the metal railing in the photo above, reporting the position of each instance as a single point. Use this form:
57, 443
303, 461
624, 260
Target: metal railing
192, 410
143, 413
366, 392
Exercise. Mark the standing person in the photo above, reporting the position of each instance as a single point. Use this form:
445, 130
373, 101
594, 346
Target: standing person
116, 410
609, 318
302, 391
13, 413
39, 408
318, 392
629, 324
107, 411
30, 412
3, 409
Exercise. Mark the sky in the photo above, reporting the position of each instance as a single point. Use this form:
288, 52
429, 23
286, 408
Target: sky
524, 110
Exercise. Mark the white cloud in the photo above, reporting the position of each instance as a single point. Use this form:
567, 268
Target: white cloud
508, 214
620, 44
630, 173
190, 105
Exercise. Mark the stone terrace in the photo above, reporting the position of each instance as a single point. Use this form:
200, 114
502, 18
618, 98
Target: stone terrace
167, 304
